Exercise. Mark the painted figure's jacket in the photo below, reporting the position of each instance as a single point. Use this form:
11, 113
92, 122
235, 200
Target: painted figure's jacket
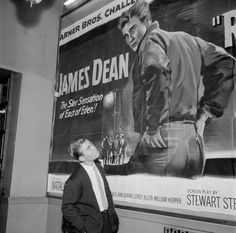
176, 76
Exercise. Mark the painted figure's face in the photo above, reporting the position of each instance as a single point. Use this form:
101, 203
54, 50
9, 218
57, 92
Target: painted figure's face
133, 32
89, 152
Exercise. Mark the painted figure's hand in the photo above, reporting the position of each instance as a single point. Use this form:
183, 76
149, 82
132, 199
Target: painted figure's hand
200, 127
154, 140
204, 117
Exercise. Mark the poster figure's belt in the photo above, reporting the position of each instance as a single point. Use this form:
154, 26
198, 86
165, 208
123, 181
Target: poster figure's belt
179, 122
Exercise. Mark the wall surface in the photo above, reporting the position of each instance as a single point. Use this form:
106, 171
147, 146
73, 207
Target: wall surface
28, 45
139, 222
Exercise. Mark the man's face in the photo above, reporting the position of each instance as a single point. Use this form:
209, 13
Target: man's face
134, 32
89, 152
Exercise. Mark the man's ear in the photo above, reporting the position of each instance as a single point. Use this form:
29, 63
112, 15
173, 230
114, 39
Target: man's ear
81, 158
147, 22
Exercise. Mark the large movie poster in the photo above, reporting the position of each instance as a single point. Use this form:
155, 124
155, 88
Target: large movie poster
144, 129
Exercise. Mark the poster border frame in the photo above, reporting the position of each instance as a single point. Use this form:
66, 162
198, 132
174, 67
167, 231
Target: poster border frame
164, 211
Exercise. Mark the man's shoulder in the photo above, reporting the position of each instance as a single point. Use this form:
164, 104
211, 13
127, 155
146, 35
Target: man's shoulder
77, 173
163, 37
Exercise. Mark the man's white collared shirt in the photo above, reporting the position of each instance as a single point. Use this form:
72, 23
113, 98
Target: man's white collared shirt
91, 173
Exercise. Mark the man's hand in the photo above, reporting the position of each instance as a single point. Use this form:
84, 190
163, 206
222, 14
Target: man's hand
153, 140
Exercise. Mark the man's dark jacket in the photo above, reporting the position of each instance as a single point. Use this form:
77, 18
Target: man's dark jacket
80, 209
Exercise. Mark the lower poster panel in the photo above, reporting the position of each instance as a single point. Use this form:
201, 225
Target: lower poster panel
203, 195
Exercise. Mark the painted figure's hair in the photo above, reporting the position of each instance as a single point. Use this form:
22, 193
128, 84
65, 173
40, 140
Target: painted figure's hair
141, 10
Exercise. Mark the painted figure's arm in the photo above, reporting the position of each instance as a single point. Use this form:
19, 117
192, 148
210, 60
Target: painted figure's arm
156, 77
219, 71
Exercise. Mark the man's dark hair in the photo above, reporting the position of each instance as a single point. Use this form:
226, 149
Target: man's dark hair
141, 10
74, 147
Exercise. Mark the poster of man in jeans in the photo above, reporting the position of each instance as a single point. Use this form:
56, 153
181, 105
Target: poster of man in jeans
171, 70
157, 100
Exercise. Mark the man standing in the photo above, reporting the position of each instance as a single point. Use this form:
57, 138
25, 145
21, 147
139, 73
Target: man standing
87, 204
170, 106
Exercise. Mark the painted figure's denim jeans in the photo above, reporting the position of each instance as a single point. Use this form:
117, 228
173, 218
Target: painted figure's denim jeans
182, 157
